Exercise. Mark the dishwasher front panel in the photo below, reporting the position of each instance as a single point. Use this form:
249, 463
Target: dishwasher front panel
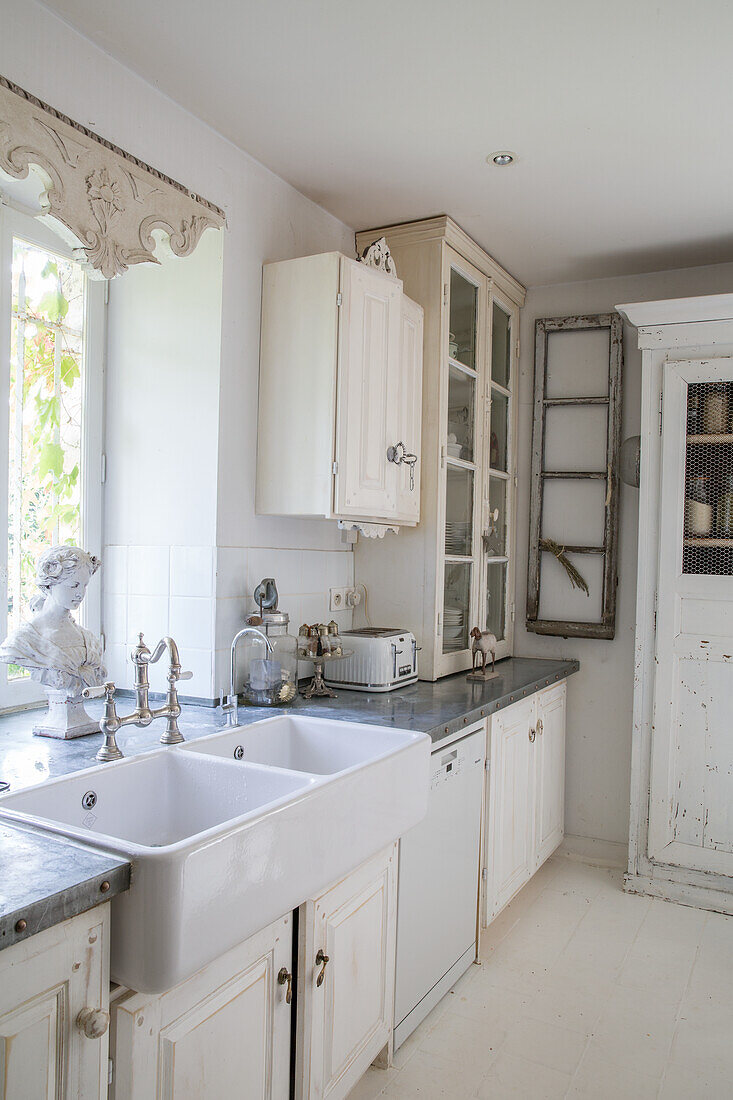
438, 875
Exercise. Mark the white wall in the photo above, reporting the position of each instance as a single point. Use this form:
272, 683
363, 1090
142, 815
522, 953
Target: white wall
600, 695
266, 219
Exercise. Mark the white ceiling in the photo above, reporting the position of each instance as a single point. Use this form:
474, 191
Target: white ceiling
384, 110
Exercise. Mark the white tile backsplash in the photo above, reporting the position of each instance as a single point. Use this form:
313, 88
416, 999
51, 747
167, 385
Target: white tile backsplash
191, 621
114, 569
192, 571
148, 570
202, 595
148, 614
231, 571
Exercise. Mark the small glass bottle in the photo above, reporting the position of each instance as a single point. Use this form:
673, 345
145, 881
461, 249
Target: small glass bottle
323, 634
724, 510
334, 639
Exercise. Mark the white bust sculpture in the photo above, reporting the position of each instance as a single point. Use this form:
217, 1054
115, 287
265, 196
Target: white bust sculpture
59, 653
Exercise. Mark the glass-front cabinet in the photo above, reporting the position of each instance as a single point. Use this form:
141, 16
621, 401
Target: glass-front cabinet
477, 486
454, 571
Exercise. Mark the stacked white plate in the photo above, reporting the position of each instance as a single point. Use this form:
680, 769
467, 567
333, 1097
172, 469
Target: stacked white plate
457, 537
453, 626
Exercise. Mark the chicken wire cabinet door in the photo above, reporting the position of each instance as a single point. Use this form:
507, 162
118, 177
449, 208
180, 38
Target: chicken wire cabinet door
346, 979
45, 982
691, 785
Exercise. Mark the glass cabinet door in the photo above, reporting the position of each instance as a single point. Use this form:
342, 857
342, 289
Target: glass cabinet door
461, 428
498, 479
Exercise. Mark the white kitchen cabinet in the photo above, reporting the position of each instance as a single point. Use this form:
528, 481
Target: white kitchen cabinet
681, 826
340, 380
346, 979
525, 794
47, 981
224, 1032
454, 570
549, 749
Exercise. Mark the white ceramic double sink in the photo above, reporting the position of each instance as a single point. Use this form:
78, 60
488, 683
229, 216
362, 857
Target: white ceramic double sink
230, 831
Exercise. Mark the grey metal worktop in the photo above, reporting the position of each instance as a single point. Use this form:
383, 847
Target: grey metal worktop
46, 879
47, 876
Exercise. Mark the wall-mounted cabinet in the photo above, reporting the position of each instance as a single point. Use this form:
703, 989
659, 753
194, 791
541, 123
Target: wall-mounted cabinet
340, 384
455, 571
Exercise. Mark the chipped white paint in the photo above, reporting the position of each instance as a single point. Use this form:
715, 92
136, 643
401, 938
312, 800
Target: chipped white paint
681, 828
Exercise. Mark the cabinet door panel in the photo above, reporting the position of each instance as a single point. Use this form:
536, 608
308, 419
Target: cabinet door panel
369, 350
348, 1018
550, 777
511, 846
46, 981
224, 1032
691, 775
406, 409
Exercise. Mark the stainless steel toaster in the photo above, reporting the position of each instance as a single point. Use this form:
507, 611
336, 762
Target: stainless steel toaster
383, 659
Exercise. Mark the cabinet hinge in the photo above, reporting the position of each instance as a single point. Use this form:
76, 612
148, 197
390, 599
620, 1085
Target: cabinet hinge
518, 347
339, 298
511, 613
335, 468
106, 292
440, 623
661, 400
103, 470
445, 294
442, 457
655, 612
484, 873
110, 1071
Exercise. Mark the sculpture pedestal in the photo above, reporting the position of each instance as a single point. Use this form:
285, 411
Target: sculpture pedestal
481, 677
65, 718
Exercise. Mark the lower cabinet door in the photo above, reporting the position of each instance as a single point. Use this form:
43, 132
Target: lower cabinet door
225, 1032
550, 775
510, 861
45, 983
346, 992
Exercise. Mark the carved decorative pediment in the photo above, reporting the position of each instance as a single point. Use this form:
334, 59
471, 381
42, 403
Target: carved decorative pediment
106, 203
379, 256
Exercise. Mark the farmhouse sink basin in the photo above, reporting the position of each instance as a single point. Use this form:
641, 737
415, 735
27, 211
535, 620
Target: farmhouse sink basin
313, 745
222, 846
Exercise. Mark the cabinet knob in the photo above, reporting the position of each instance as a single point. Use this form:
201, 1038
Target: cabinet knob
283, 978
540, 727
93, 1022
532, 734
322, 960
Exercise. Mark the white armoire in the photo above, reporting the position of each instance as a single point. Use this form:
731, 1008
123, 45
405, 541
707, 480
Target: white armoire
681, 827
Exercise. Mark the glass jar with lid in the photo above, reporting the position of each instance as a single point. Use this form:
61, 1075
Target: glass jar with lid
698, 506
271, 679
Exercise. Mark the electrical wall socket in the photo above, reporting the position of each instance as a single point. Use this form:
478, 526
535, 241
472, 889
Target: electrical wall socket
337, 599
343, 599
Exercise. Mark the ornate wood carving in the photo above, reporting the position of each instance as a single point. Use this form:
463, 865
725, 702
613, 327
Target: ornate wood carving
379, 256
106, 203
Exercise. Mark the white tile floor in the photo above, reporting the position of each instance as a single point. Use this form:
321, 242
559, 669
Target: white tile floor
582, 991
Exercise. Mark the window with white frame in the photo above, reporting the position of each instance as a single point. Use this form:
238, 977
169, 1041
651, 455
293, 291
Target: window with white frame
51, 360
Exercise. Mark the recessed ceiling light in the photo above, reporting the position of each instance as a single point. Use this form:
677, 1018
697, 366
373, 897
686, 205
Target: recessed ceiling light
502, 158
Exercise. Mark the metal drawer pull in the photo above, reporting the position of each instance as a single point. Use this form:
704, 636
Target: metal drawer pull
93, 1022
532, 734
322, 961
283, 977
540, 727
